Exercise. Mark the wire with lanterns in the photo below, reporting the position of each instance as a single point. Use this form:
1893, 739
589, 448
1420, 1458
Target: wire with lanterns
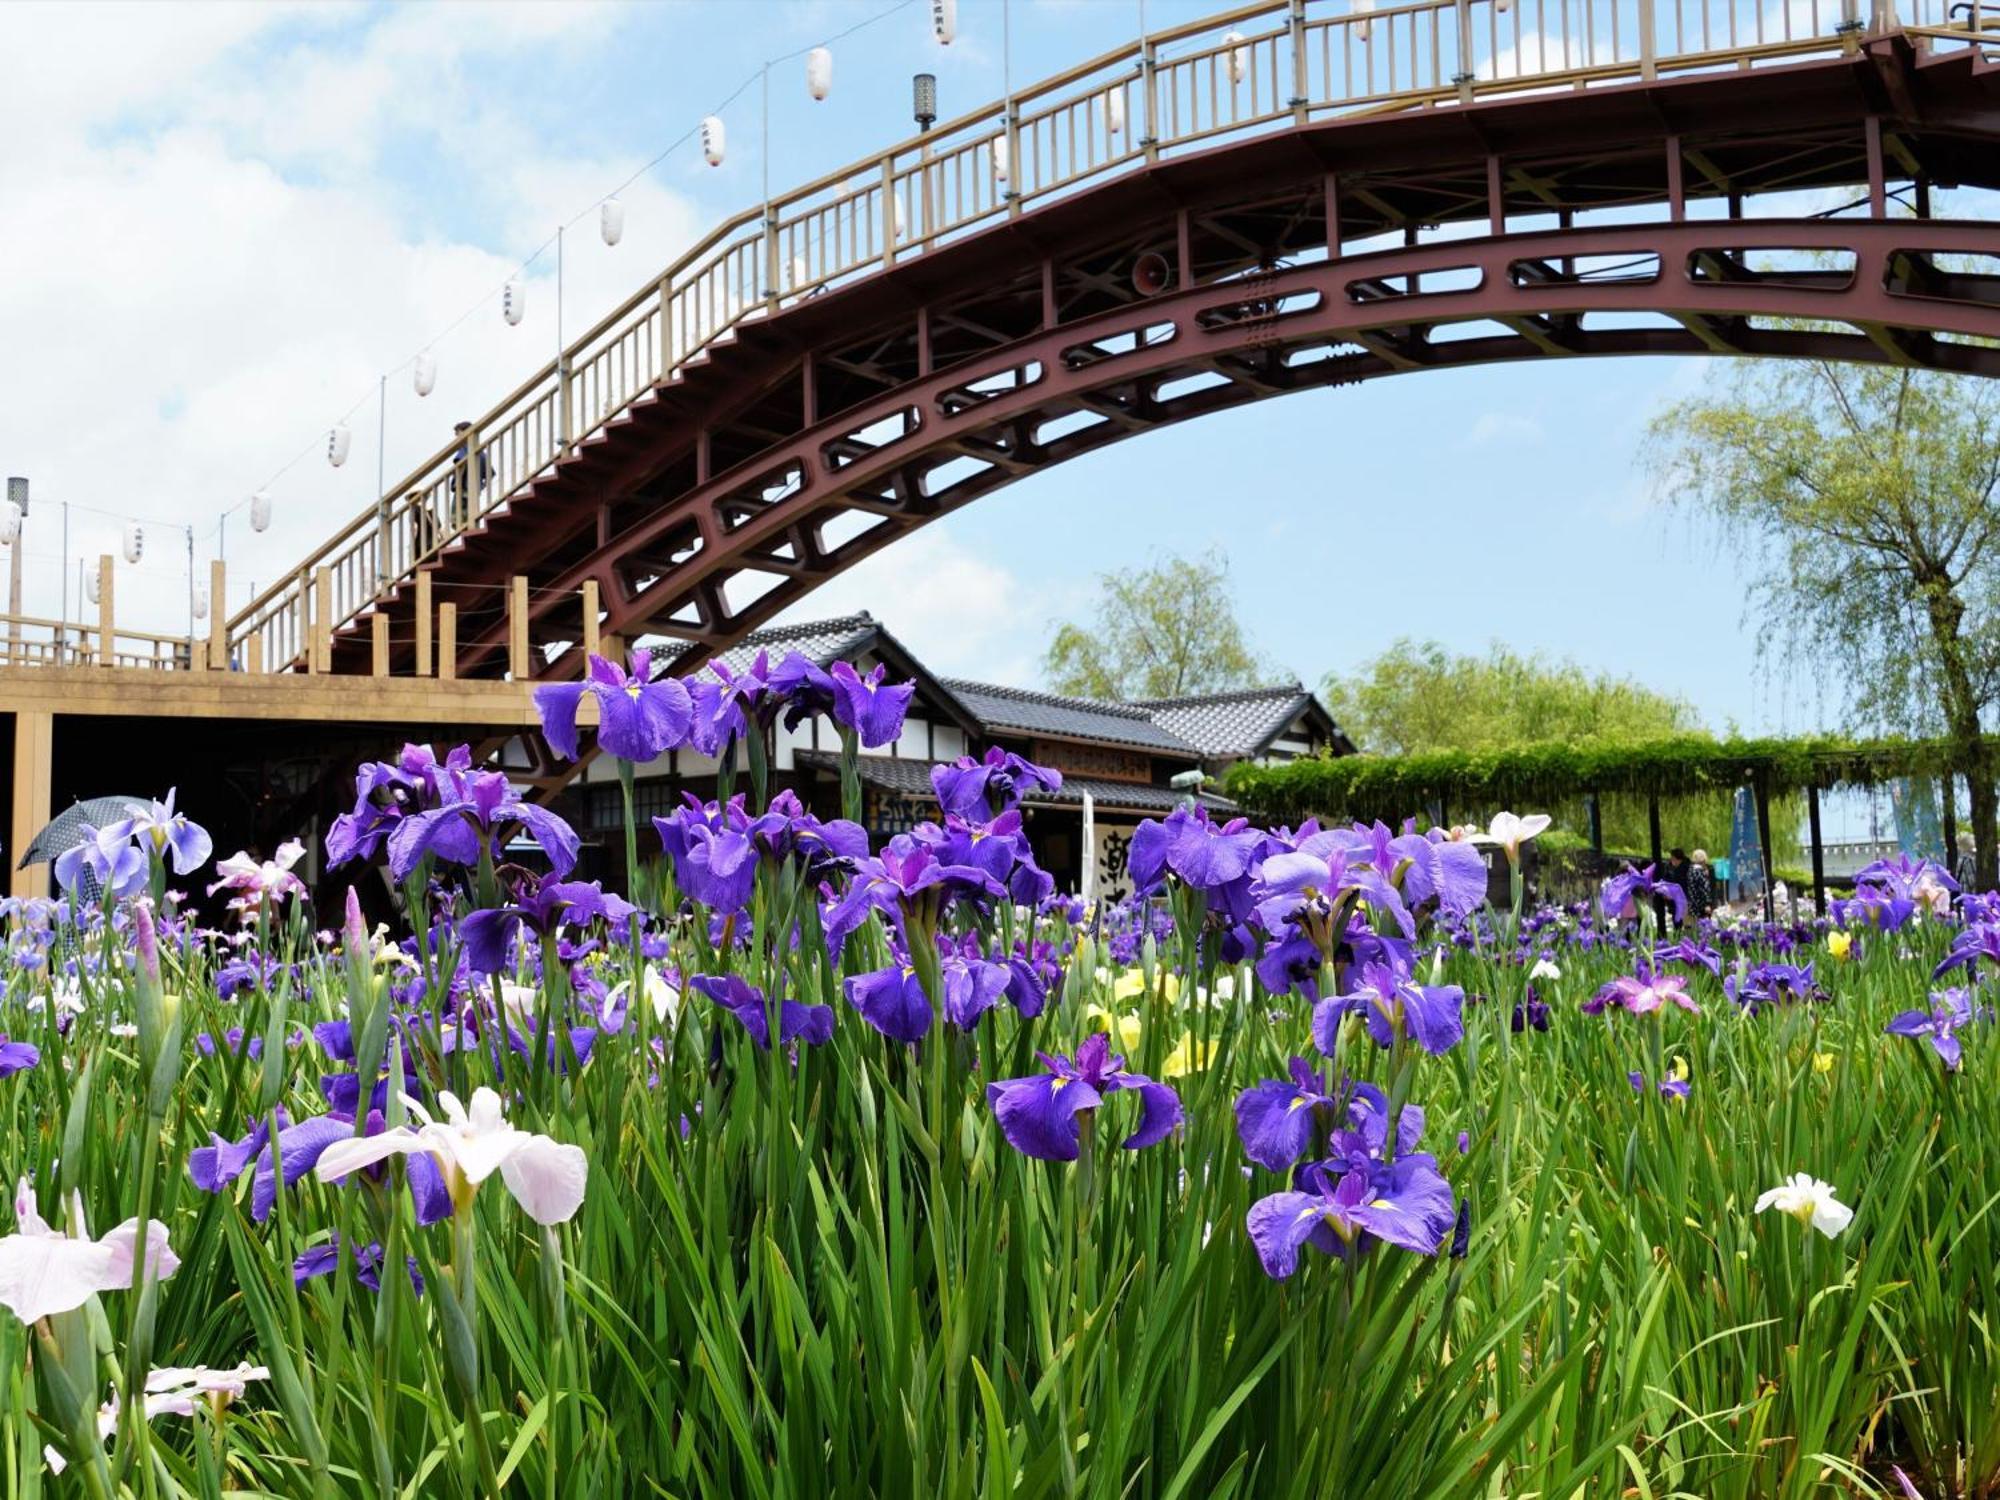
610, 210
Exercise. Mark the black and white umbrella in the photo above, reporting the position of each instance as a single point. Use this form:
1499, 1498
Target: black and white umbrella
65, 831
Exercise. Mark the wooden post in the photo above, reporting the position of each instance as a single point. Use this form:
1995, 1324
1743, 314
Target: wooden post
381, 643
34, 758
1596, 825
1649, 56
218, 616
105, 628
517, 628
590, 618
447, 642
322, 641
253, 654
423, 667
1763, 794
1818, 854
1653, 831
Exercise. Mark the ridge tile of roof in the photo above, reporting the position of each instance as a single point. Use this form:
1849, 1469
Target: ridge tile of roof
1024, 710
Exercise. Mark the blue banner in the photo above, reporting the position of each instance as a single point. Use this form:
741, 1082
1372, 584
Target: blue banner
1746, 852
1913, 799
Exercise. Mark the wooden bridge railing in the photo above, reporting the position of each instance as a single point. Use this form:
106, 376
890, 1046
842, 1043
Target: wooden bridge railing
1258, 67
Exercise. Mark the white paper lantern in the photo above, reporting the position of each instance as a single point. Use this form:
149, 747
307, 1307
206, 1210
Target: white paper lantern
1362, 8
1237, 59
424, 373
1114, 111
819, 72
198, 601
795, 273
944, 20
260, 511
135, 542
90, 584
338, 441
514, 301
1002, 163
611, 220
896, 227
10, 522
714, 140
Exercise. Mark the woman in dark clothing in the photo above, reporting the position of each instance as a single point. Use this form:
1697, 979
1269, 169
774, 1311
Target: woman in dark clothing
1700, 886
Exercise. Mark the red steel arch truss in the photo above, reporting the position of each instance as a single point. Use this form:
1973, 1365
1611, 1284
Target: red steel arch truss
1616, 221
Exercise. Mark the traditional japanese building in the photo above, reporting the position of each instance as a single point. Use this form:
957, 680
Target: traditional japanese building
1118, 760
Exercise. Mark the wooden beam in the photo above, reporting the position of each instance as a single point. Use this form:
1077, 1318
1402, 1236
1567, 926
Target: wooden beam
423, 667
591, 616
322, 641
380, 665
447, 642
106, 628
1819, 853
34, 759
517, 628
218, 616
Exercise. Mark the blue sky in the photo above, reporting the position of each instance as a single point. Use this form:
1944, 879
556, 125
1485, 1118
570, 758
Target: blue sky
246, 215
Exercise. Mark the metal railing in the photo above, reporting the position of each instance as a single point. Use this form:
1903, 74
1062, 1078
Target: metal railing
1255, 68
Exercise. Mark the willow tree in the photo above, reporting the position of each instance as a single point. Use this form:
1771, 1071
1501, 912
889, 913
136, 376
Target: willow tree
1160, 631
1865, 500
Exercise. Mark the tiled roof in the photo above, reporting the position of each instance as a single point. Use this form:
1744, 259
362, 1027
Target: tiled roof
1230, 724
1022, 711
820, 641
912, 778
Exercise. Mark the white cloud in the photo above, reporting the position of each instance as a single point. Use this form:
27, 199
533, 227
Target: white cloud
1504, 427
211, 254
962, 614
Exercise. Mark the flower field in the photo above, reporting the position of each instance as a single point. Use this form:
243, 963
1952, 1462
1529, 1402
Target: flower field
819, 1166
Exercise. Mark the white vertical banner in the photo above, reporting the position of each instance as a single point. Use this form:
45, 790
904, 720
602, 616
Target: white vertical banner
1089, 891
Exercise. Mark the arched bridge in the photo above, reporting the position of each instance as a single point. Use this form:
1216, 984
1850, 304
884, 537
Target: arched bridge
1290, 195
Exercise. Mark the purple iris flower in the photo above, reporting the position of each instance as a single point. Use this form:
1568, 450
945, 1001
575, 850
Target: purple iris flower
1642, 994
1975, 941
1291, 966
1312, 888
1688, 951
911, 884
714, 858
1395, 1006
868, 706
1190, 847
1770, 984
803, 686
214, 1168
321, 1260
972, 986
1426, 867
488, 936
980, 789
1530, 1011
1624, 891
385, 794
1277, 1121
17, 1057
1032, 971
812, 1024
169, 834
1406, 1203
1951, 1010
1038, 1114
108, 857
892, 1000
1670, 1088
482, 813
638, 719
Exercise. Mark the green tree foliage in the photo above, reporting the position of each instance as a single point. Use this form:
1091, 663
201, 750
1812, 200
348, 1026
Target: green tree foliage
1417, 697
1157, 632
1864, 500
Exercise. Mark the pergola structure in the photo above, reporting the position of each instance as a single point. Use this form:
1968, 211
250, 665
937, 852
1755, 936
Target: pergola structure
1391, 787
